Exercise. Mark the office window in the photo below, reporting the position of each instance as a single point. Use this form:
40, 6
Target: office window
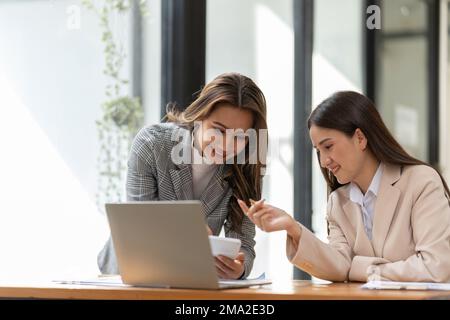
255, 38
402, 75
151, 62
51, 89
337, 65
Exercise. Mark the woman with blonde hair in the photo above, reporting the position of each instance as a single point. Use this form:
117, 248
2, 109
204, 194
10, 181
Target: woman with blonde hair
388, 213
211, 163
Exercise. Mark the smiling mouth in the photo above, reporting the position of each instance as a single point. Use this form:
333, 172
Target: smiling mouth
334, 170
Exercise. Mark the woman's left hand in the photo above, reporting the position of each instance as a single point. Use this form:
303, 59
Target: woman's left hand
230, 268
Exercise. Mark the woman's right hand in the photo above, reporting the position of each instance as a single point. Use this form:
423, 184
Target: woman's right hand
269, 218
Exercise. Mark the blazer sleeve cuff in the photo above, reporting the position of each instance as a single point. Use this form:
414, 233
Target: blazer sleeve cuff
359, 270
298, 253
248, 264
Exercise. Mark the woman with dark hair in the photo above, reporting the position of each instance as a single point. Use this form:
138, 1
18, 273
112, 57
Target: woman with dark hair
205, 153
388, 213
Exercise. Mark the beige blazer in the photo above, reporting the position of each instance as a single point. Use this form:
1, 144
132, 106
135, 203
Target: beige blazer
411, 232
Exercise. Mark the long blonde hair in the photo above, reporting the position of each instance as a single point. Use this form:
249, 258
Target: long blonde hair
239, 91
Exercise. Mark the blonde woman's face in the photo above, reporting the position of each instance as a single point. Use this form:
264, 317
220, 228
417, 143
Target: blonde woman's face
221, 135
343, 156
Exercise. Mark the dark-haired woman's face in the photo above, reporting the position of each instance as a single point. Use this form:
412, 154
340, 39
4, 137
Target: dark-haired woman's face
342, 155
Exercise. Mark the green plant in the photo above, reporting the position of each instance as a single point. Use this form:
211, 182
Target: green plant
122, 114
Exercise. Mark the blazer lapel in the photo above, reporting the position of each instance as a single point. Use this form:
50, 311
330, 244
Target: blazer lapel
181, 176
182, 182
215, 191
363, 246
385, 206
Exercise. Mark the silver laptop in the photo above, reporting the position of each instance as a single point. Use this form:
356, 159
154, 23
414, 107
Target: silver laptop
165, 244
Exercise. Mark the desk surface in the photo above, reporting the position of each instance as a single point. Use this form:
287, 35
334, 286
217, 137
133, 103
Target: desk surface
293, 290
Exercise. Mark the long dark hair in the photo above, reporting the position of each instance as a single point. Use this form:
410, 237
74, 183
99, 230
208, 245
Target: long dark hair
239, 91
347, 111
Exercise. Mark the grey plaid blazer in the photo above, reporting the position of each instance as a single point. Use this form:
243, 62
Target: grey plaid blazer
152, 175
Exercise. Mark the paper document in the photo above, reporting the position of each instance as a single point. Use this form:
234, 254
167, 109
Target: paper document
116, 281
406, 285
113, 280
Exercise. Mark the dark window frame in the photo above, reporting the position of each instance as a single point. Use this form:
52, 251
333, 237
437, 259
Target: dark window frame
372, 45
433, 21
303, 49
370, 57
183, 56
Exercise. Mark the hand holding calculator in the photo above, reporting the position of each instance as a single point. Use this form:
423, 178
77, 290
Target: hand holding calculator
228, 247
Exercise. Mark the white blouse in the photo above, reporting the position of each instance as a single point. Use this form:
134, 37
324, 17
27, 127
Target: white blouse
201, 175
367, 201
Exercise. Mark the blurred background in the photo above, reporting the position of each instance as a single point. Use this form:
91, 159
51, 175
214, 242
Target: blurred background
78, 78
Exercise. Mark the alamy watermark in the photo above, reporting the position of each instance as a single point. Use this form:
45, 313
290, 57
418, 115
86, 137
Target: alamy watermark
73, 21
212, 146
374, 19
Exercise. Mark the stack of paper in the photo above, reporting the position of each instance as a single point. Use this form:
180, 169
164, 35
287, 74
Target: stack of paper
114, 280
376, 284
